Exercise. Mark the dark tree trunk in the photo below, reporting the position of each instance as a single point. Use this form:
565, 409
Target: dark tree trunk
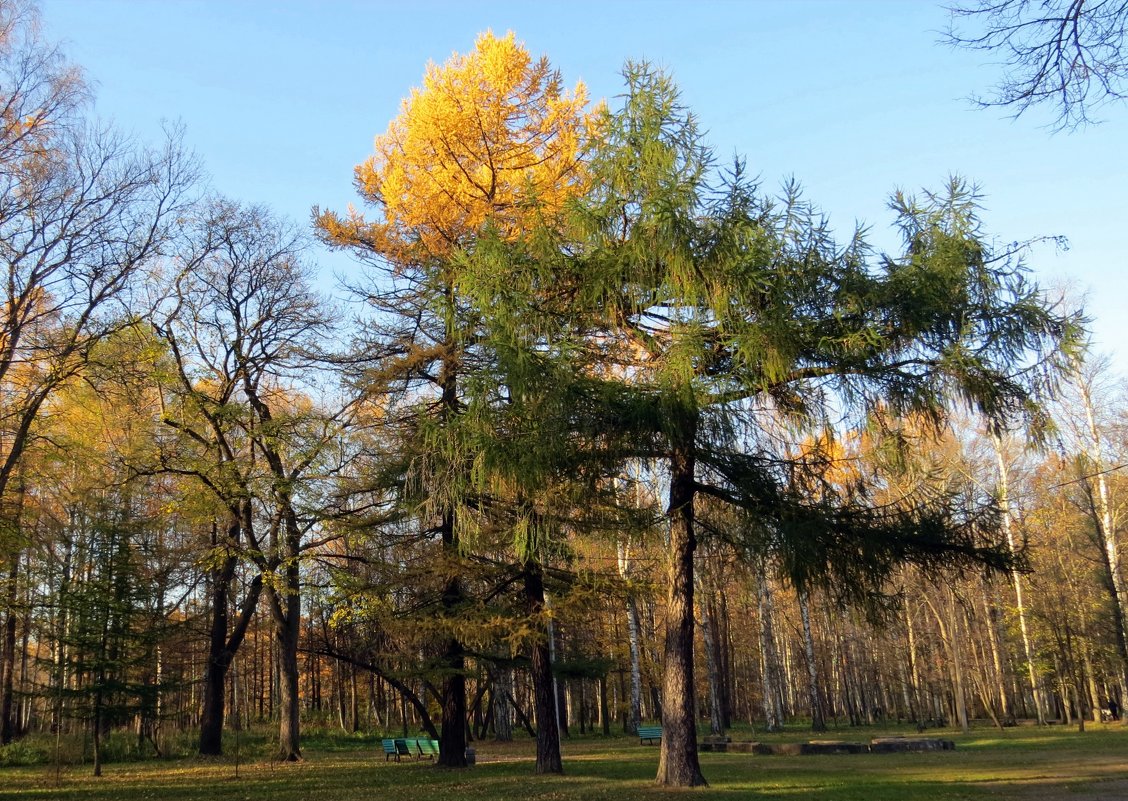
98, 737
8, 656
354, 701
678, 764
452, 738
522, 717
11, 515
604, 709
544, 698
286, 606
222, 649
219, 660
475, 710
561, 696
211, 716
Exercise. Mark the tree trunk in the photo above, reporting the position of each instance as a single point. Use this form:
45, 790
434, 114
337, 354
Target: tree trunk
1016, 582
678, 764
544, 693
219, 660
716, 713
287, 621
211, 716
8, 655
1110, 546
635, 716
1090, 680
97, 725
354, 701
948, 625
818, 723
452, 733
655, 661
773, 718
958, 688
991, 621
502, 708
604, 710
917, 708
559, 690
725, 658
222, 646
452, 736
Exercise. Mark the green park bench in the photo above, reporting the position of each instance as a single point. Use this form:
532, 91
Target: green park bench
411, 747
390, 750
649, 733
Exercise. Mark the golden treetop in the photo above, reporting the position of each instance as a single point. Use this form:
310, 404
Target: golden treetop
489, 137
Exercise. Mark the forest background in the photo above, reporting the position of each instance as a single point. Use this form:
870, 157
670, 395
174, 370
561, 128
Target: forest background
204, 522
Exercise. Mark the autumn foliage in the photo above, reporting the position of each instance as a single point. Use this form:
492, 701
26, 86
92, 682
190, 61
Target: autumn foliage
490, 136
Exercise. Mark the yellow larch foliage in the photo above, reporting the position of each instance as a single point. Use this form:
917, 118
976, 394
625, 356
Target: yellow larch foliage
490, 136
834, 459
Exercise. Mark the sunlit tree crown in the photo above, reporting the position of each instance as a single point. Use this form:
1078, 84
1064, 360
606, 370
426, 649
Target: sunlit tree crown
490, 136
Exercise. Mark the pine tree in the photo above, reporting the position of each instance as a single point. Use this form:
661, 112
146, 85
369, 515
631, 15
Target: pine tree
107, 645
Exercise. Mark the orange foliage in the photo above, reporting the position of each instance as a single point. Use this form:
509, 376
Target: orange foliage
491, 137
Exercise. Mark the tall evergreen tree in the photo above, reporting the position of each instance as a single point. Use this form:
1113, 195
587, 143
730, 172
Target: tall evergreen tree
489, 142
111, 632
723, 310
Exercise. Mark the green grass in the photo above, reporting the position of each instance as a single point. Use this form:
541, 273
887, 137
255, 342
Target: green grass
1022, 763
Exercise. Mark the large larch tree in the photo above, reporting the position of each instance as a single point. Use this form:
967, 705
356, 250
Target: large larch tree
728, 311
491, 141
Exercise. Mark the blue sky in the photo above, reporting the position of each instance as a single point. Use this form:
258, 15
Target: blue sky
854, 99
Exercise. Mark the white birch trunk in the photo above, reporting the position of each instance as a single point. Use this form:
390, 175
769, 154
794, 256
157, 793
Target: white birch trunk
772, 703
635, 717
1106, 528
817, 721
1016, 580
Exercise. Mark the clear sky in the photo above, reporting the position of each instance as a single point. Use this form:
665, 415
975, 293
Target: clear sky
854, 99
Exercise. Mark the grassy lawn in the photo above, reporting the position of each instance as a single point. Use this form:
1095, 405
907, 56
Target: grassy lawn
1021, 763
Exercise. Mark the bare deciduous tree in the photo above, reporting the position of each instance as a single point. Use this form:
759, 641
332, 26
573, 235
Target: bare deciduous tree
245, 331
1066, 54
